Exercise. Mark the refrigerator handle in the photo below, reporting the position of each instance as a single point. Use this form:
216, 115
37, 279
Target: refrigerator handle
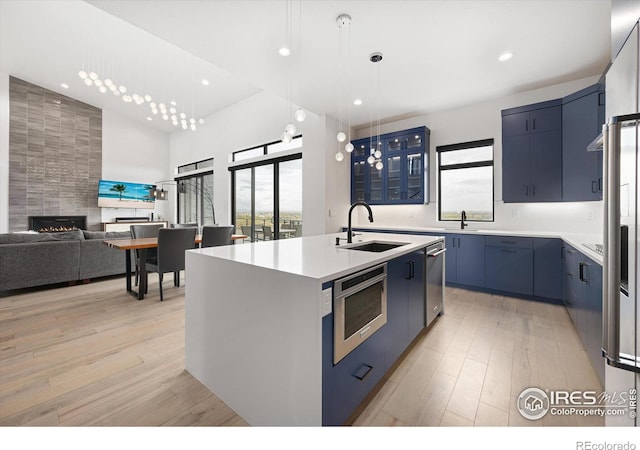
611, 259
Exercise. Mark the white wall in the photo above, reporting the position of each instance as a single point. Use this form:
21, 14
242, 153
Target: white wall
484, 121
4, 152
134, 153
255, 121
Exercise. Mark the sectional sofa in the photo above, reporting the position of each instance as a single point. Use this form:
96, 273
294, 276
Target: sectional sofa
28, 260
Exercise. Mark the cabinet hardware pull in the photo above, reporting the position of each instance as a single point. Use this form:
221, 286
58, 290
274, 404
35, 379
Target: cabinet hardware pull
458, 242
508, 250
527, 188
410, 276
413, 269
533, 190
509, 242
600, 184
594, 188
526, 125
363, 371
582, 266
439, 252
534, 124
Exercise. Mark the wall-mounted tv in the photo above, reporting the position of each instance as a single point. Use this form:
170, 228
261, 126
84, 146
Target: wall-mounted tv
121, 194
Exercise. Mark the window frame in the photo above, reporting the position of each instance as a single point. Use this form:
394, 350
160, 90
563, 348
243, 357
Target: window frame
275, 161
199, 178
265, 149
468, 165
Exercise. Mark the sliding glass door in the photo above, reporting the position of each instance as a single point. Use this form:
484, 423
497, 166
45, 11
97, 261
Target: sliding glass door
195, 199
267, 198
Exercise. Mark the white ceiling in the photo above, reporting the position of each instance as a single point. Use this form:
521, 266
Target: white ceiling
437, 54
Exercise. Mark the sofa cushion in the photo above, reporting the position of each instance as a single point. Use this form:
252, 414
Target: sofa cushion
88, 235
118, 235
25, 238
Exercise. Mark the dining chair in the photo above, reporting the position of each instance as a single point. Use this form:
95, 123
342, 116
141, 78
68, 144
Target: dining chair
213, 236
184, 225
145, 231
267, 233
172, 244
246, 230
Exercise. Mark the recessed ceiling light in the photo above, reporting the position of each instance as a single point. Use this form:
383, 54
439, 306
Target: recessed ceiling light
64, 85
149, 118
357, 102
506, 56
284, 51
205, 82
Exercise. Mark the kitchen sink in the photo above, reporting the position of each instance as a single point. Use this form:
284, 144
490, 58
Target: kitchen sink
375, 246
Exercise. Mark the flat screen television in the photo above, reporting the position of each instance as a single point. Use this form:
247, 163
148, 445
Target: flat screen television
121, 194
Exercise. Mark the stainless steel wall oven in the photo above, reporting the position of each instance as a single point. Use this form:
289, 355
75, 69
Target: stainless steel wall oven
360, 308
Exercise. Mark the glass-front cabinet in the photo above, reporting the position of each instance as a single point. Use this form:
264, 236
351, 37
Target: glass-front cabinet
402, 177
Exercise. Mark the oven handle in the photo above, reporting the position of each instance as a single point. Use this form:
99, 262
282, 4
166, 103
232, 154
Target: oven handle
361, 286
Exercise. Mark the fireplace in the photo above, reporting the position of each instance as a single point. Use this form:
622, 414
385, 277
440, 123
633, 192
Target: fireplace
50, 224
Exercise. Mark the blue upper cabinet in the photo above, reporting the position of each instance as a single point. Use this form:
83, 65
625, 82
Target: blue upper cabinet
532, 153
402, 178
582, 119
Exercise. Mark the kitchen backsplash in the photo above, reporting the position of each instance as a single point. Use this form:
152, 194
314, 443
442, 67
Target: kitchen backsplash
575, 217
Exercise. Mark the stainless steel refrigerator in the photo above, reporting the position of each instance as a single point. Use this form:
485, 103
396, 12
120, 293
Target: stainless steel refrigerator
621, 311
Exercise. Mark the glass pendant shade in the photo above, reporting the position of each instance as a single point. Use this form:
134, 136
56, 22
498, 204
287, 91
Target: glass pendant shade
349, 147
341, 136
291, 129
379, 165
82, 74
201, 121
286, 137
339, 156
93, 75
103, 89
377, 154
371, 160
122, 89
300, 115
88, 81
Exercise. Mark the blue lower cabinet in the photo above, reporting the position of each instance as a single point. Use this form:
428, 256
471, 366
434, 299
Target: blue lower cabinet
347, 383
470, 260
510, 269
405, 302
547, 268
451, 260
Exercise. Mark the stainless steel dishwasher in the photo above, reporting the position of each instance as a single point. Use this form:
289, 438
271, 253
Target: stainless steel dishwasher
435, 281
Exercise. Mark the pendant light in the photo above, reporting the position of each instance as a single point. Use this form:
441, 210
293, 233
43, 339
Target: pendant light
344, 29
375, 156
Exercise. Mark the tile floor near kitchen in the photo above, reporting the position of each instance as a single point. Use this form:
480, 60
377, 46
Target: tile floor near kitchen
92, 355
474, 362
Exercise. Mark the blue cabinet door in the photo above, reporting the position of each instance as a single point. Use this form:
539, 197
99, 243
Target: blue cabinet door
451, 260
515, 168
581, 124
547, 268
546, 166
347, 383
509, 269
470, 260
532, 153
398, 276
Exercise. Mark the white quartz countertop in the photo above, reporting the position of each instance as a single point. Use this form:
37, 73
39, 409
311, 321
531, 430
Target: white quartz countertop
317, 257
576, 239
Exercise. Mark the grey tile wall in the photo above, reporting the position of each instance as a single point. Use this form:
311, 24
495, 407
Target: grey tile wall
55, 155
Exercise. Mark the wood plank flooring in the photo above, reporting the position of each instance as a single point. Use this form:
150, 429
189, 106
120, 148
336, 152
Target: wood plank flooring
90, 355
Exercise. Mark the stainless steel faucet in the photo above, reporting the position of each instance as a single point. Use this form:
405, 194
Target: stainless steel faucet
351, 209
464, 217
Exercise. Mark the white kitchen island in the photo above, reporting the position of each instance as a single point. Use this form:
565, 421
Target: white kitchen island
253, 320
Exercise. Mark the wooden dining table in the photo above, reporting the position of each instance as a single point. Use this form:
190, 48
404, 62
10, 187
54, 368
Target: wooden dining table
142, 244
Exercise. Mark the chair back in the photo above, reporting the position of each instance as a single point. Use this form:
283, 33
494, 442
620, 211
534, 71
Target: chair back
246, 230
213, 236
184, 225
146, 231
267, 232
172, 243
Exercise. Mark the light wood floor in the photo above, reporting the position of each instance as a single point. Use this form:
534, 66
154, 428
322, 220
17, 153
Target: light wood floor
92, 355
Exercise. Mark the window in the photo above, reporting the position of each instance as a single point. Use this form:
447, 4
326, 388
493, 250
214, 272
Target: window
195, 193
465, 181
267, 198
267, 149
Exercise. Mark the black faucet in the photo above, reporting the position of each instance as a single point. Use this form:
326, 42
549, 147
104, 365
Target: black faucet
464, 217
351, 209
